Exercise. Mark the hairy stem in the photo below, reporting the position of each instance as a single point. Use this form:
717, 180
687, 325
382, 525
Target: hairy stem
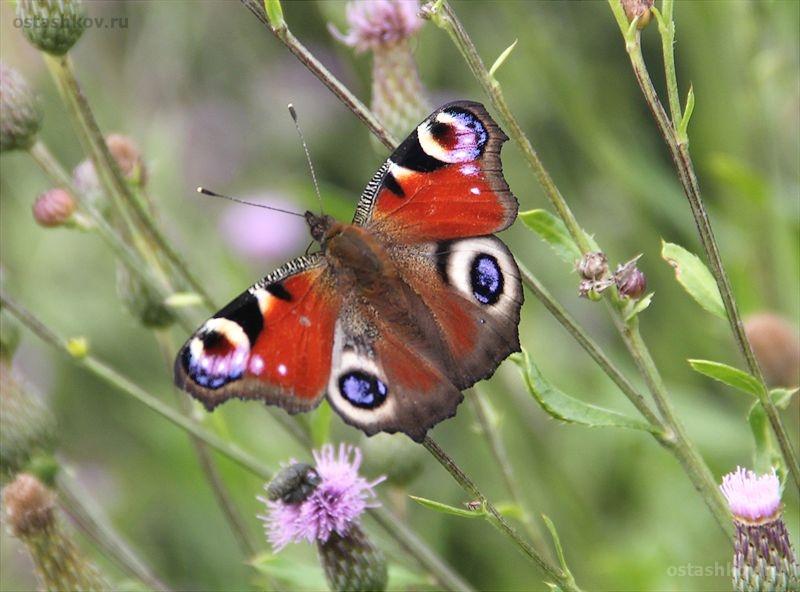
480, 406
89, 519
131, 210
206, 461
564, 580
679, 150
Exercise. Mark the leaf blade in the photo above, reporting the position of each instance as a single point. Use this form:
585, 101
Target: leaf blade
447, 509
733, 377
552, 231
695, 277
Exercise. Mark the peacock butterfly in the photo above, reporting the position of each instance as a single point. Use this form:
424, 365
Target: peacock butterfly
397, 312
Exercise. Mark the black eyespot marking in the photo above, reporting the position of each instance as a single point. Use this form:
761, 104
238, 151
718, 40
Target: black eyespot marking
410, 155
390, 182
218, 363
363, 390
442, 132
245, 312
279, 291
486, 279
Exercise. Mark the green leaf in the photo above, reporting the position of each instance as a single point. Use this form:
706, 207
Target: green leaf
638, 306
552, 231
782, 396
694, 276
766, 454
683, 126
557, 543
502, 58
566, 408
321, 424
731, 376
445, 509
291, 573
274, 14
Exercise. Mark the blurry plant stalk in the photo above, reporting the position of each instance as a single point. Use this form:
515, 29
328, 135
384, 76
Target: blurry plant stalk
675, 135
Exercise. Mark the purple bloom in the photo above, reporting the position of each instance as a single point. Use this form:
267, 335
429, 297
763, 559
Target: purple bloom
752, 498
337, 502
379, 23
259, 234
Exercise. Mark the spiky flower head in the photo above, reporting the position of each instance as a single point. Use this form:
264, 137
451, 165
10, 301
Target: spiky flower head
20, 112
763, 557
337, 502
385, 28
30, 512
52, 25
593, 266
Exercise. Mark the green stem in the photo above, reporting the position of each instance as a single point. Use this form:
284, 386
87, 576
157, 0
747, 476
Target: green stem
94, 525
206, 462
481, 408
284, 35
131, 210
666, 27
417, 548
444, 17
688, 179
564, 580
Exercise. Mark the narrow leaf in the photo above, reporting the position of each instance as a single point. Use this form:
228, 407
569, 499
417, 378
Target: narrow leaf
731, 376
694, 276
766, 454
183, 299
274, 12
566, 408
638, 306
502, 58
445, 509
782, 396
321, 424
556, 543
552, 231
683, 126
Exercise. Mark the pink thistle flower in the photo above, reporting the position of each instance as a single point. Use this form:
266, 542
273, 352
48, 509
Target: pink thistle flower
334, 506
379, 23
752, 498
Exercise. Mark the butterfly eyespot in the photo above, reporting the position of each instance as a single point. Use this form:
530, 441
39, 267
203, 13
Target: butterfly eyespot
486, 279
218, 354
362, 389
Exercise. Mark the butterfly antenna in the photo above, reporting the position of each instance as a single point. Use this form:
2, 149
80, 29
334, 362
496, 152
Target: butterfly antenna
293, 113
208, 192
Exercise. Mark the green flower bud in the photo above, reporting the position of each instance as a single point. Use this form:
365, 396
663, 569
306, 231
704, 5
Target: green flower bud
20, 114
30, 513
141, 301
27, 428
52, 25
352, 563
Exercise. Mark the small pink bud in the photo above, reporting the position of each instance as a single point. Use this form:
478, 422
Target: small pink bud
54, 207
633, 284
593, 266
640, 8
129, 159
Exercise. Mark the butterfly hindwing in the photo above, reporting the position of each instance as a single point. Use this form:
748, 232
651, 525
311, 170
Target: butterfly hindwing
444, 181
273, 342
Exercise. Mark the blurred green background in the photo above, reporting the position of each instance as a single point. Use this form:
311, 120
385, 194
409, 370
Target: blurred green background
202, 87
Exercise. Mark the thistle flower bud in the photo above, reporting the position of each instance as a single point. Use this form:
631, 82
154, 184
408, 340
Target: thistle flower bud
53, 26
640, 8
385, 27
141, 300
20, 113
630, 281
393, 455
54, 207
352, 563
31, 515
27, 428
776, 345
593, 266
763, 558
128, 158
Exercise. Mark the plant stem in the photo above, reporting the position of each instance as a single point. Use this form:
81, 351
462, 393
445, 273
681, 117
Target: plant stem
666, 27
93, 524
206, 461
495, 518
481, 408
681, 158
108, 172
285, 36
444, 17
417, 548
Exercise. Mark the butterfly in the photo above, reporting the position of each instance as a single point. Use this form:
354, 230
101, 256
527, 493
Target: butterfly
398, 311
